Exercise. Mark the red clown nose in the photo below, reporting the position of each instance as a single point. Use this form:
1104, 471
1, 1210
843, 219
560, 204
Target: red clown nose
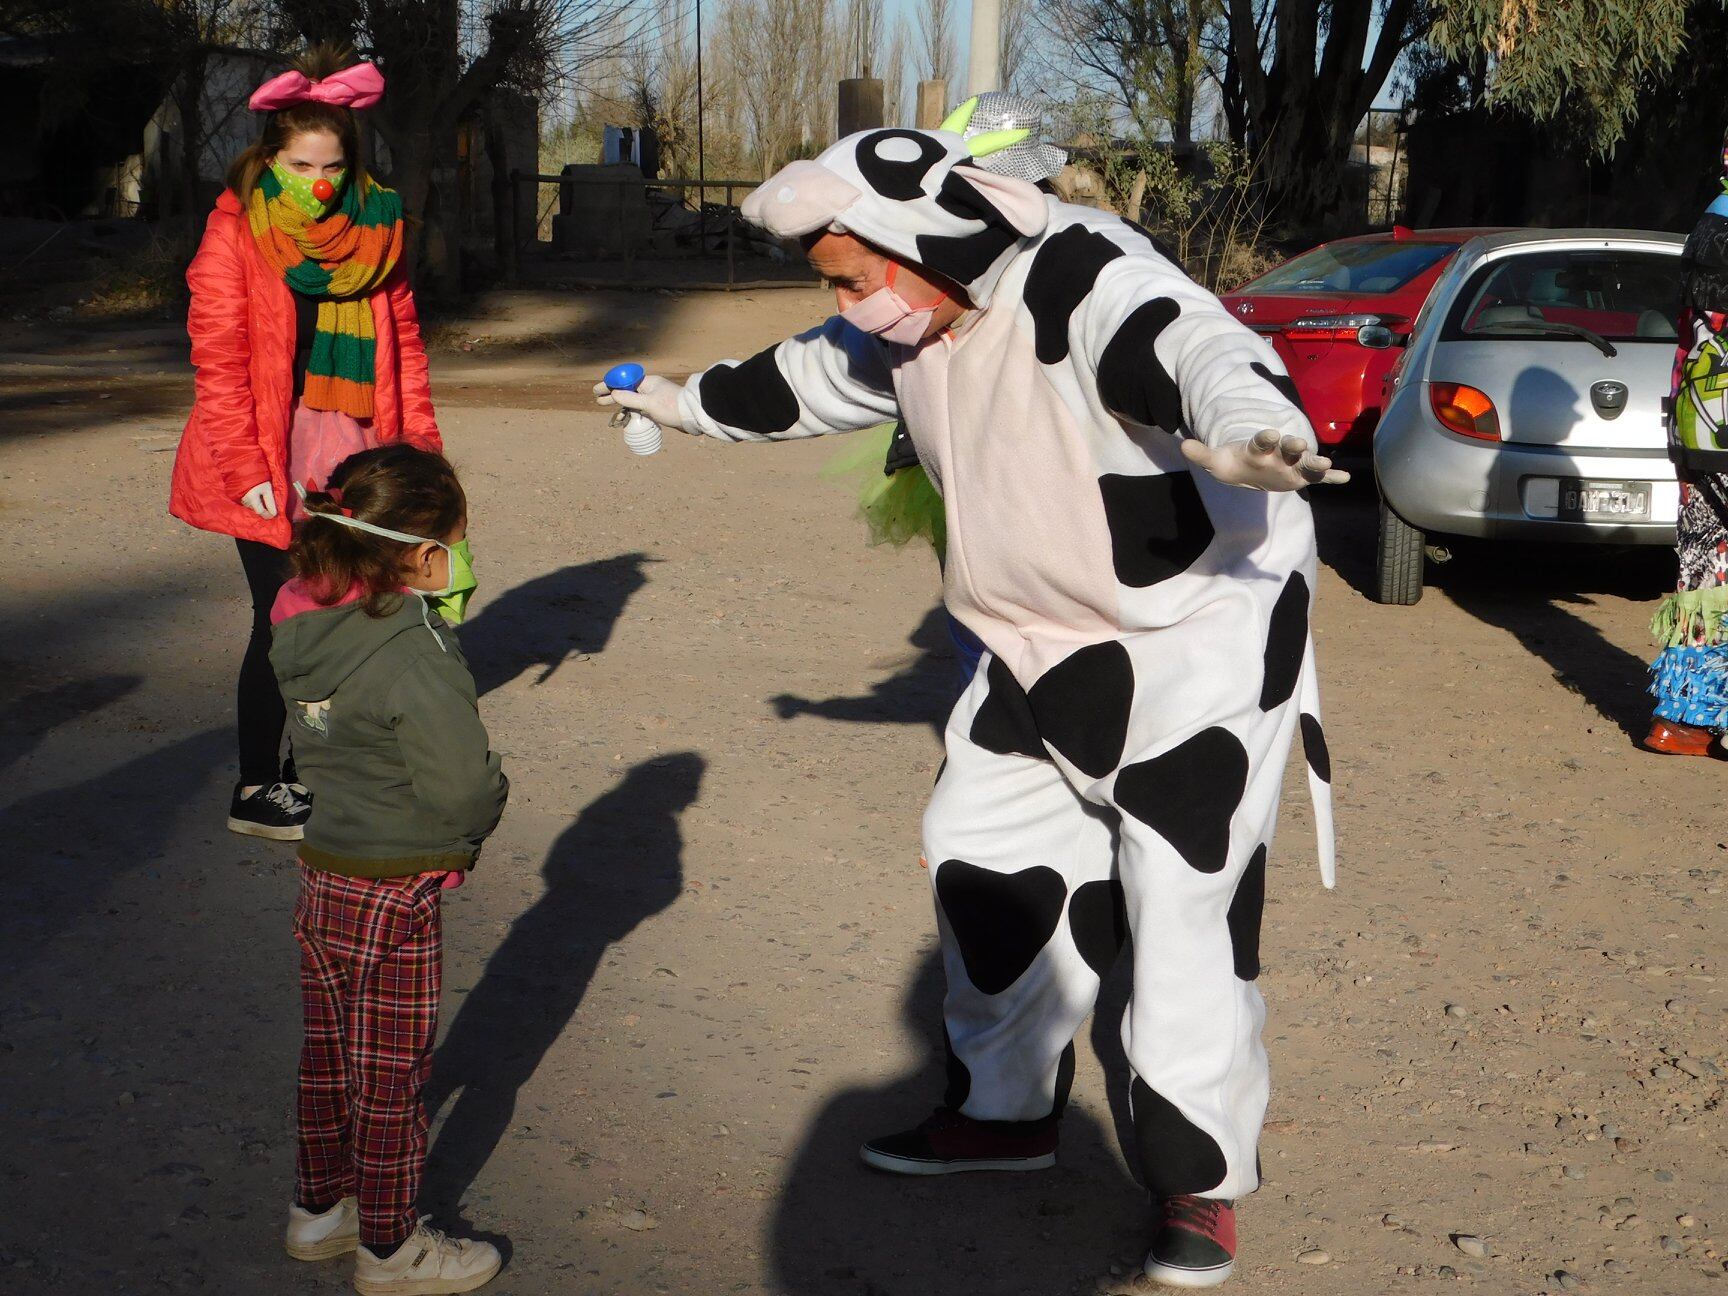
323, 190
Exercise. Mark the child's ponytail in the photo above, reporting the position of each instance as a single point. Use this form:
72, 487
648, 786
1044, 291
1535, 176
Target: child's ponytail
397, 487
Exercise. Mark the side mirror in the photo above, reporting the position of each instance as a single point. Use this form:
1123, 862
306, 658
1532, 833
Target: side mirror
1377, 337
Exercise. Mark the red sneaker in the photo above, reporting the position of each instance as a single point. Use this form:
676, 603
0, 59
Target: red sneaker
948, 1143
1196, 1242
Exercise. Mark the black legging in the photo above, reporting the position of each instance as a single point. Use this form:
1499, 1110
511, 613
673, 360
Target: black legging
260, 711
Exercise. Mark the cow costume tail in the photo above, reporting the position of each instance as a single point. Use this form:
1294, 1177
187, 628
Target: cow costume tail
1319, 761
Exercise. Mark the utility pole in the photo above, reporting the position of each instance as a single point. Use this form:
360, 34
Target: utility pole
701, 152
984, 51
701, 155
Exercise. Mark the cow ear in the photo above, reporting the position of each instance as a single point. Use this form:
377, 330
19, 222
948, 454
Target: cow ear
1021, 203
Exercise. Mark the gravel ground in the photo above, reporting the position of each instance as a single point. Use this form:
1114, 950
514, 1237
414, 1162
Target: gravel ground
697, 967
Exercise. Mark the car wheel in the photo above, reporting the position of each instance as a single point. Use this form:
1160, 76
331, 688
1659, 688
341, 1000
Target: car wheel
1397, 561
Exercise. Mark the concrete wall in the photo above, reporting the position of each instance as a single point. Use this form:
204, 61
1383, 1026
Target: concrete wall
601, 220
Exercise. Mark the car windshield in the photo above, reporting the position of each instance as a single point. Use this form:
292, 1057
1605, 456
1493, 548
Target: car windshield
1565, 294
1376, 266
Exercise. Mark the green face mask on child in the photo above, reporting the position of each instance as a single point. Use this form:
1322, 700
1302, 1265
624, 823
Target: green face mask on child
297, 189
452, 604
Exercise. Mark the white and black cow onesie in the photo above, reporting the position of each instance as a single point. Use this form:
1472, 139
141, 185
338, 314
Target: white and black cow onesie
1119, 754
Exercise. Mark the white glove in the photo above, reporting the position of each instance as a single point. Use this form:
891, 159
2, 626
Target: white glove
1266, 461
656, 397
261, 500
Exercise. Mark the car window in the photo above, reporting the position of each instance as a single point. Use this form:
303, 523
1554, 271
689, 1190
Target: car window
1380, 266
1621, 296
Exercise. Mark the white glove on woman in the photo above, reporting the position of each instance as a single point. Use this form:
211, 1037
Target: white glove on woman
1266, 461
655, 396
261, 499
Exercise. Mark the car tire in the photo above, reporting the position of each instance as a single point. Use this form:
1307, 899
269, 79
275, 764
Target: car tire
1397, 560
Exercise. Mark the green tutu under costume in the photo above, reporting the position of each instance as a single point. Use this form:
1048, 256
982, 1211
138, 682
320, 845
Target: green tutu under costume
897, 507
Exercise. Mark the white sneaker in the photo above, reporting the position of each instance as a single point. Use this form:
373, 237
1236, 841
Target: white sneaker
333, 1233
429, 1263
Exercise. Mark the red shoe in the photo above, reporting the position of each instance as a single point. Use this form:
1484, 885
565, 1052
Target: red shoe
948, 1143
1672, 738
1196, 1242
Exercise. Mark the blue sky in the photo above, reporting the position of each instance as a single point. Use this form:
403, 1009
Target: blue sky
963, 23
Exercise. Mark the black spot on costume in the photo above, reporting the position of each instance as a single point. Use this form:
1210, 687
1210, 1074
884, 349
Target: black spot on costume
1286, 642
1062, 273
1001, 921
1158, 525
754, 396
1189, 794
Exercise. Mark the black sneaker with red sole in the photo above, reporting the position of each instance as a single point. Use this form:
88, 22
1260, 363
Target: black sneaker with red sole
949, 1143
1195, 1245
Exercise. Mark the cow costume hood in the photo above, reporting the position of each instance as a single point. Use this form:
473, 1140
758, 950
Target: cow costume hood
916, 195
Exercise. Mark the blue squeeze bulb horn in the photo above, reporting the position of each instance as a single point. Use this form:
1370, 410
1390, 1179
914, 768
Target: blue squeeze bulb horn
624, 377
641, 433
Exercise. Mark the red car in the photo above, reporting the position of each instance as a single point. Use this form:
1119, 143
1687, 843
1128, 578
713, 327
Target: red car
1339, 314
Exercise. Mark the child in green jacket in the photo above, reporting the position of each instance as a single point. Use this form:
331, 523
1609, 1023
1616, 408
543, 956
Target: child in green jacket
405, 789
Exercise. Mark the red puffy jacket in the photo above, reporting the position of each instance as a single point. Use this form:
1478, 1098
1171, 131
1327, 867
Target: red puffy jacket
242, 327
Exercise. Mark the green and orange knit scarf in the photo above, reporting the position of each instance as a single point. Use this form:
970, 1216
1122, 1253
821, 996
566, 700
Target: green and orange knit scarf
339, 261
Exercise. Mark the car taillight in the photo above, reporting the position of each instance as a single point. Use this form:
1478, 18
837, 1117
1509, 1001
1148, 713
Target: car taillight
1464, 410
1369, 330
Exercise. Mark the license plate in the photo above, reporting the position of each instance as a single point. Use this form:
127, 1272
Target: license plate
1591, 500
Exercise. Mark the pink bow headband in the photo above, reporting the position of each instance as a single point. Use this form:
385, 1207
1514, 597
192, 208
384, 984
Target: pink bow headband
360, 86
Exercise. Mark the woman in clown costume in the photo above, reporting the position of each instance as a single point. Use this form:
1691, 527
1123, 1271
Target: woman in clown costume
1120, 463
307, 348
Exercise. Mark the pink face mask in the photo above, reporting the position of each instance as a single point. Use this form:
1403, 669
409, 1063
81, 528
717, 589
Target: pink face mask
889, 316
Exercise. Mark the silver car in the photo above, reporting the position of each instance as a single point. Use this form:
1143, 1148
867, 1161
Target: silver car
1528, 402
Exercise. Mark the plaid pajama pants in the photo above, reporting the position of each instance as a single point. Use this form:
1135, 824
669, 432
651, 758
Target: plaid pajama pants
371, 955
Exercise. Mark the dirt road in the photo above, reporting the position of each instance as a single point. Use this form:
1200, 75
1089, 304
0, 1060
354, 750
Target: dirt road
696, 966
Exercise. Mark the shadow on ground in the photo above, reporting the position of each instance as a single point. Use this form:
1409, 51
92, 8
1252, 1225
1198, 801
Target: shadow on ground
841, 1229
618, 865
60, 405
566, 318
79, 838
1531, 591
921, 690
544, 622
33, 715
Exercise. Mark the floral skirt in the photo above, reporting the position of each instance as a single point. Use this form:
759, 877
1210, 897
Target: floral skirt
1689, 678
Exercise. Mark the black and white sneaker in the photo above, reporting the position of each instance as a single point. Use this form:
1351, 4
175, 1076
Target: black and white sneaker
278, 811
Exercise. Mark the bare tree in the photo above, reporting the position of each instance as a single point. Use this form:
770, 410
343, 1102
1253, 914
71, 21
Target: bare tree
861, 40
659, 82
1150, 56
780, 57
1308, 82
1016, 46
936, 40
441, 58
894, 81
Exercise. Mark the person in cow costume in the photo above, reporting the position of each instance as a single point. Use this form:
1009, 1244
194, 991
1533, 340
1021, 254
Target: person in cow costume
1121, 464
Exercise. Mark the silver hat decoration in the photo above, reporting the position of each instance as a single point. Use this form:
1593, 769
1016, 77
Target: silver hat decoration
1031, 159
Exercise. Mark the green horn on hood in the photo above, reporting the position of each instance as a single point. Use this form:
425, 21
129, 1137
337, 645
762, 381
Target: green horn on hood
988, 142
961, 117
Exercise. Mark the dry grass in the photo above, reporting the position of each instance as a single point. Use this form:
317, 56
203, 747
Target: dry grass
149, 281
